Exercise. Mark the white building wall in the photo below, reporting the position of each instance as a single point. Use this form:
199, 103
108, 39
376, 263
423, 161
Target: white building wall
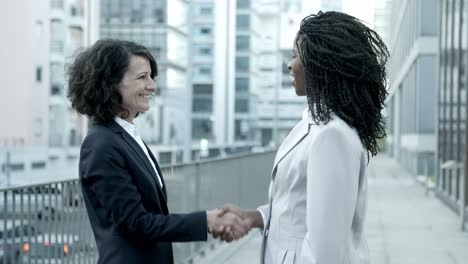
412, 75
25, 83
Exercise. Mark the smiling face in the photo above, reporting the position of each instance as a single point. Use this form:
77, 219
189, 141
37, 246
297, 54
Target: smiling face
136, 86
296, 70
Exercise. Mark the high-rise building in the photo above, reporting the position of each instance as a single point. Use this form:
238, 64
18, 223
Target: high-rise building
412, 75
234, 73
246, 31
278, 107
202, 57
25, 89
163, 27
43, 134
68, 22
73, 26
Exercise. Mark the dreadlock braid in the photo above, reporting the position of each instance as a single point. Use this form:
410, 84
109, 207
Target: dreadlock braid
344, 64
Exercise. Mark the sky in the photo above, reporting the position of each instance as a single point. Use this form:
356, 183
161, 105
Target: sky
362, 9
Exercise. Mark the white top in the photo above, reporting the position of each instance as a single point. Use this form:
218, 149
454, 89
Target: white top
317, 197
132, 131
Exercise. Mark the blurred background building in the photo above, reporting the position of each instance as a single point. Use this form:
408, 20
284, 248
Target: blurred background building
224, 88
42, 133
382, 16
223, 81
452, 158
148, 22
412, 75
25, 80
73, 26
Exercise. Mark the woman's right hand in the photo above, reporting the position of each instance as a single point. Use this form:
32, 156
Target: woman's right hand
226, 225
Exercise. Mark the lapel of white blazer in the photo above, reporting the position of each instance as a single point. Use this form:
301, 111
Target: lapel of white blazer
297, 134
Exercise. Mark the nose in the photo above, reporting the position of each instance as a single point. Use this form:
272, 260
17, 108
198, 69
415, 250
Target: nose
151, 85
289, 66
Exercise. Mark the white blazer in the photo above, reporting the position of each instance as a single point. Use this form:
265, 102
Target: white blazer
318, 197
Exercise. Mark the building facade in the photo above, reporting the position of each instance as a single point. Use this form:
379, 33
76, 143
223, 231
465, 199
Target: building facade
382, 15
148, 22
42, 139
412, 76
25, 90
452, 158
202, 61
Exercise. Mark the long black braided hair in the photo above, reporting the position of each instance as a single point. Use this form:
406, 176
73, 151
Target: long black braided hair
344, 64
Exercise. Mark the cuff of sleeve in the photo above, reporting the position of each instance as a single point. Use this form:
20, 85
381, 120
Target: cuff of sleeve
263, 219
201, 233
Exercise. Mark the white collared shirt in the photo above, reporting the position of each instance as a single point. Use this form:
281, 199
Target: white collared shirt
132, 131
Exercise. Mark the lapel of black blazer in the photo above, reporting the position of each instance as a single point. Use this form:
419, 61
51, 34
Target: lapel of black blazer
159, 171
134, 145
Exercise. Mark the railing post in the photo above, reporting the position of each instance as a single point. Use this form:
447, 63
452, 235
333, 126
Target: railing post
462, 199
8, 168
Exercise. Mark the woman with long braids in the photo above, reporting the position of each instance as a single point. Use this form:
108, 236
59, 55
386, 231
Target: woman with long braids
318, 191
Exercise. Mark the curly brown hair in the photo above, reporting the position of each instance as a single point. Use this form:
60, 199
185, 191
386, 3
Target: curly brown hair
344, 64
94, 75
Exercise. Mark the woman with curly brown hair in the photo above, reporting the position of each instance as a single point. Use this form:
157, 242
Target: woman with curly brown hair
123, 187
318, 191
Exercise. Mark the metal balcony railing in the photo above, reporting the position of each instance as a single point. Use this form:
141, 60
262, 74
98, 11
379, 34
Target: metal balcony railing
451, 188
48, 223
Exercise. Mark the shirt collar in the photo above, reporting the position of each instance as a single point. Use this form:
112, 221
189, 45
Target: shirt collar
127, 126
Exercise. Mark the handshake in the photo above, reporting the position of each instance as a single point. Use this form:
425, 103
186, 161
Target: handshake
231, 222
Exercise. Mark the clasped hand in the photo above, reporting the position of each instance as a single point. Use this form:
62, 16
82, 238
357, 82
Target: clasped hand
228, 223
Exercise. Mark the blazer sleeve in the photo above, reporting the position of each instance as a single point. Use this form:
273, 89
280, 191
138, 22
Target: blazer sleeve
265, 209
332, 184
103, 171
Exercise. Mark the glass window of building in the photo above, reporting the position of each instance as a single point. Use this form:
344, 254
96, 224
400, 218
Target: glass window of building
57, 4
242, 105
203, 49
243, 43
285, 68
242, 84
202, 89
202, 32
205, 31
243, 21
38, 74
204, 69
57, 33
56, 73
206, 10
55, 89
202, 128
202, 104
242, 64
240, 129
243, 4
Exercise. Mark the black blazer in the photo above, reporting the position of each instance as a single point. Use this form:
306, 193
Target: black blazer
126, 206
